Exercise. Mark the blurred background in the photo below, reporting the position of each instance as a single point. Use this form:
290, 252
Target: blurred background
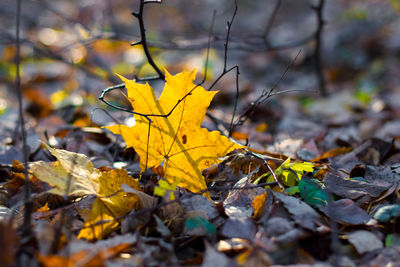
71, 50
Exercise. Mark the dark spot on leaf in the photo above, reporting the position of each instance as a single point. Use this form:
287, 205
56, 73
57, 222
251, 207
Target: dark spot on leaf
184, 139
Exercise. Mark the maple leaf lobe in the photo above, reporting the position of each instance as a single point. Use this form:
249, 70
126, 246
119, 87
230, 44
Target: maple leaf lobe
176, 141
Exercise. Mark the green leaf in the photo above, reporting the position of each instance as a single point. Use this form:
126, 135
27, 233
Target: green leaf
302, 167
395, 4
198, 221
392, 240
289, 172
386, 213
292, 190
292, 172
311, 190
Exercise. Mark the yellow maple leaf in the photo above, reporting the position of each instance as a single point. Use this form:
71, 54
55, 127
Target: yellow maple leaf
73, 174
177, 142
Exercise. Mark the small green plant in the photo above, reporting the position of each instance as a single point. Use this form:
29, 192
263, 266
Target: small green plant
164, 187
289, 172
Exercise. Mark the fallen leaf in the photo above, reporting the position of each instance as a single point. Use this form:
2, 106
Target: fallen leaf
277, 226
364, 241
74, 175
176, 141
386, 213
312, 191
241, 227
239, 135
239, 201
354, 189
200, 203
389, 256
233, 245
392, 240
333, 153
258, 205
345, 211
295, 206
214, 258
83, 258
254, 257
146, 201
9, 242
198, 222
164, 187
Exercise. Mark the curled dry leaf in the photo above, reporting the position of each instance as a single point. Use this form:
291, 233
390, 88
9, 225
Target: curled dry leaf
73, 174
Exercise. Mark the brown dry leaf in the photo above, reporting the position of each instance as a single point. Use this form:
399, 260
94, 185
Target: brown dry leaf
74, 175
346, 212
9, 243
364, 241
40, 106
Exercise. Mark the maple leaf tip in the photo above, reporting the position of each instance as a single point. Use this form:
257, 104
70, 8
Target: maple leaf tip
192, 74
121, 77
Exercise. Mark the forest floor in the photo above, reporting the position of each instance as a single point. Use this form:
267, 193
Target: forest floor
309, 180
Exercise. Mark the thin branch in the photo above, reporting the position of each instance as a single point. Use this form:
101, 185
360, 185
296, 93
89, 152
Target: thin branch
26, 228
249, 187
208, 47
271, 22
225, 70
317, 51
265, 95
143, 40
228, 32
235, 104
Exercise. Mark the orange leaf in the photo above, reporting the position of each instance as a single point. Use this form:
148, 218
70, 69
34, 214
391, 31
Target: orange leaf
239, 135
177, 142
258, 204
333, 153
83, 258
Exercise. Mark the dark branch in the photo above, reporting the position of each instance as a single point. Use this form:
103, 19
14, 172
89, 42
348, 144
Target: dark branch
143, 39
317, 51
271, 22
26, 228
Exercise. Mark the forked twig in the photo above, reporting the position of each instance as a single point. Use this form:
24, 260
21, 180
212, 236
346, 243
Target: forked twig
265, 95
225, 70
143, 40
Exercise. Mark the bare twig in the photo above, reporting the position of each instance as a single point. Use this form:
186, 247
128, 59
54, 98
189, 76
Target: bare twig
271, 22
265, 95
143, 40
317, 51
26, 229
228, 32
225, 70
208, 47
26, 226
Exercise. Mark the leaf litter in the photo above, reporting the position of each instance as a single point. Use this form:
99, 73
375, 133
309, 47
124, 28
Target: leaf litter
244, 218
343, 211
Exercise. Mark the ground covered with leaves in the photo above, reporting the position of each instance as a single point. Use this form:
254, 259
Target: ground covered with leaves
172, 178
